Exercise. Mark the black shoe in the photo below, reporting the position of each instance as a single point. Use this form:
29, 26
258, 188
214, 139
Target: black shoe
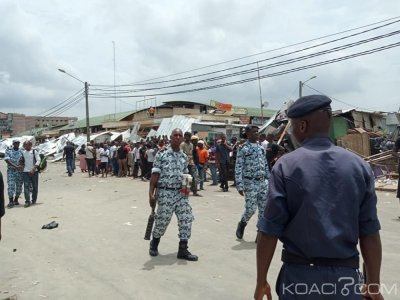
197, 195
27, 204
153, 251
184, 253
240, 229
16, 200
213, 184
10, 205
225, 190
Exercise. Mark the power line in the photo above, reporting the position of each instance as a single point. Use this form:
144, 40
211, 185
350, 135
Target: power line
280, 63
65, 106
284, 72
337, 100
268, 51
61, 103
256, 62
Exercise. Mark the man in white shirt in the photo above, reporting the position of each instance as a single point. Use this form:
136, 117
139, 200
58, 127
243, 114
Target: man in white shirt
263, 141
136, 159
91, 158
30, 173
104, 154
113, 159
150, 155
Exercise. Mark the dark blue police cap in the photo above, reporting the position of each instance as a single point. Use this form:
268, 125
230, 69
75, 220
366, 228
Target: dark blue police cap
250, 127
308, 104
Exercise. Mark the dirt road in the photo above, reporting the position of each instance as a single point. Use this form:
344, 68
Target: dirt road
98, 250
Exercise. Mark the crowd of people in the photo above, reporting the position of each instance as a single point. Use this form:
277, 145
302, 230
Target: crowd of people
318, 207
129, 159
209, 160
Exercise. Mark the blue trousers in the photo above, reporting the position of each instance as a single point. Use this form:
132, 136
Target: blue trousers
31, 180
213, 170
115, 167
304, 282
70, 165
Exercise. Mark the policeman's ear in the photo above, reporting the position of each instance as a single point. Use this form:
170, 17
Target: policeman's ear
303, 126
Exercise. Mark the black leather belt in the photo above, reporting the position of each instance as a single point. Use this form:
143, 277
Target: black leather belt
254, 178
352, 262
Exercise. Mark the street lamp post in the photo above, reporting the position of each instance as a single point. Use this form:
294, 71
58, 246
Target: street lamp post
301, 83
86, 102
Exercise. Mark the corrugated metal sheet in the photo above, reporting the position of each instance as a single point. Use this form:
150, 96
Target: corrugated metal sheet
169, 124
6, 143
392, 119
134, 136
125, 135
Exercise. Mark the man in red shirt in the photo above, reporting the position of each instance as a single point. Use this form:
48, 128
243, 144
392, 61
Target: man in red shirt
202, 153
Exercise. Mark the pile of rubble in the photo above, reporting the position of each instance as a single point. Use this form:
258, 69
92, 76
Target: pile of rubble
53, 149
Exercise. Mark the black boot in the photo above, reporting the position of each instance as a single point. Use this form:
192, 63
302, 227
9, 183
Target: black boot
153, 251
240, 229
184, 253
16, 200
11, 203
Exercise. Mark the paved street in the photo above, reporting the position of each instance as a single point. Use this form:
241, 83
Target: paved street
98, 250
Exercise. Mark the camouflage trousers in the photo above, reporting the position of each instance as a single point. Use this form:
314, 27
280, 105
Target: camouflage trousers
14, 181
169, 202
255, 197
194, 172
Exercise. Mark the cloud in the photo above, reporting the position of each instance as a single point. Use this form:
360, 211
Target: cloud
158, 38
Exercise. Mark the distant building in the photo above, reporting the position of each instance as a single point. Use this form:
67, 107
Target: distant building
151, 117
12, 124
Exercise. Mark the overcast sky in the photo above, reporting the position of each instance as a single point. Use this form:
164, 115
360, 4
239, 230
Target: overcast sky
159, 38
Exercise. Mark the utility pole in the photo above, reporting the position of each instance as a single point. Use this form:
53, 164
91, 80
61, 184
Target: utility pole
87, 112
259, 88
86, 102
301, 83
300, 89
115, 95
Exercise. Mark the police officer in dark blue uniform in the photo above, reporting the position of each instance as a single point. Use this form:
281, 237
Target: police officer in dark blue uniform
1, 199
396, 154
321, 202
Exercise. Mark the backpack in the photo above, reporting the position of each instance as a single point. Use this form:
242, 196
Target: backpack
43, 161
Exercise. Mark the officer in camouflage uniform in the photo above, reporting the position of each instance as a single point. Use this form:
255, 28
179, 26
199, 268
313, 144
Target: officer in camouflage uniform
166, 189
251, 174
15, 166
